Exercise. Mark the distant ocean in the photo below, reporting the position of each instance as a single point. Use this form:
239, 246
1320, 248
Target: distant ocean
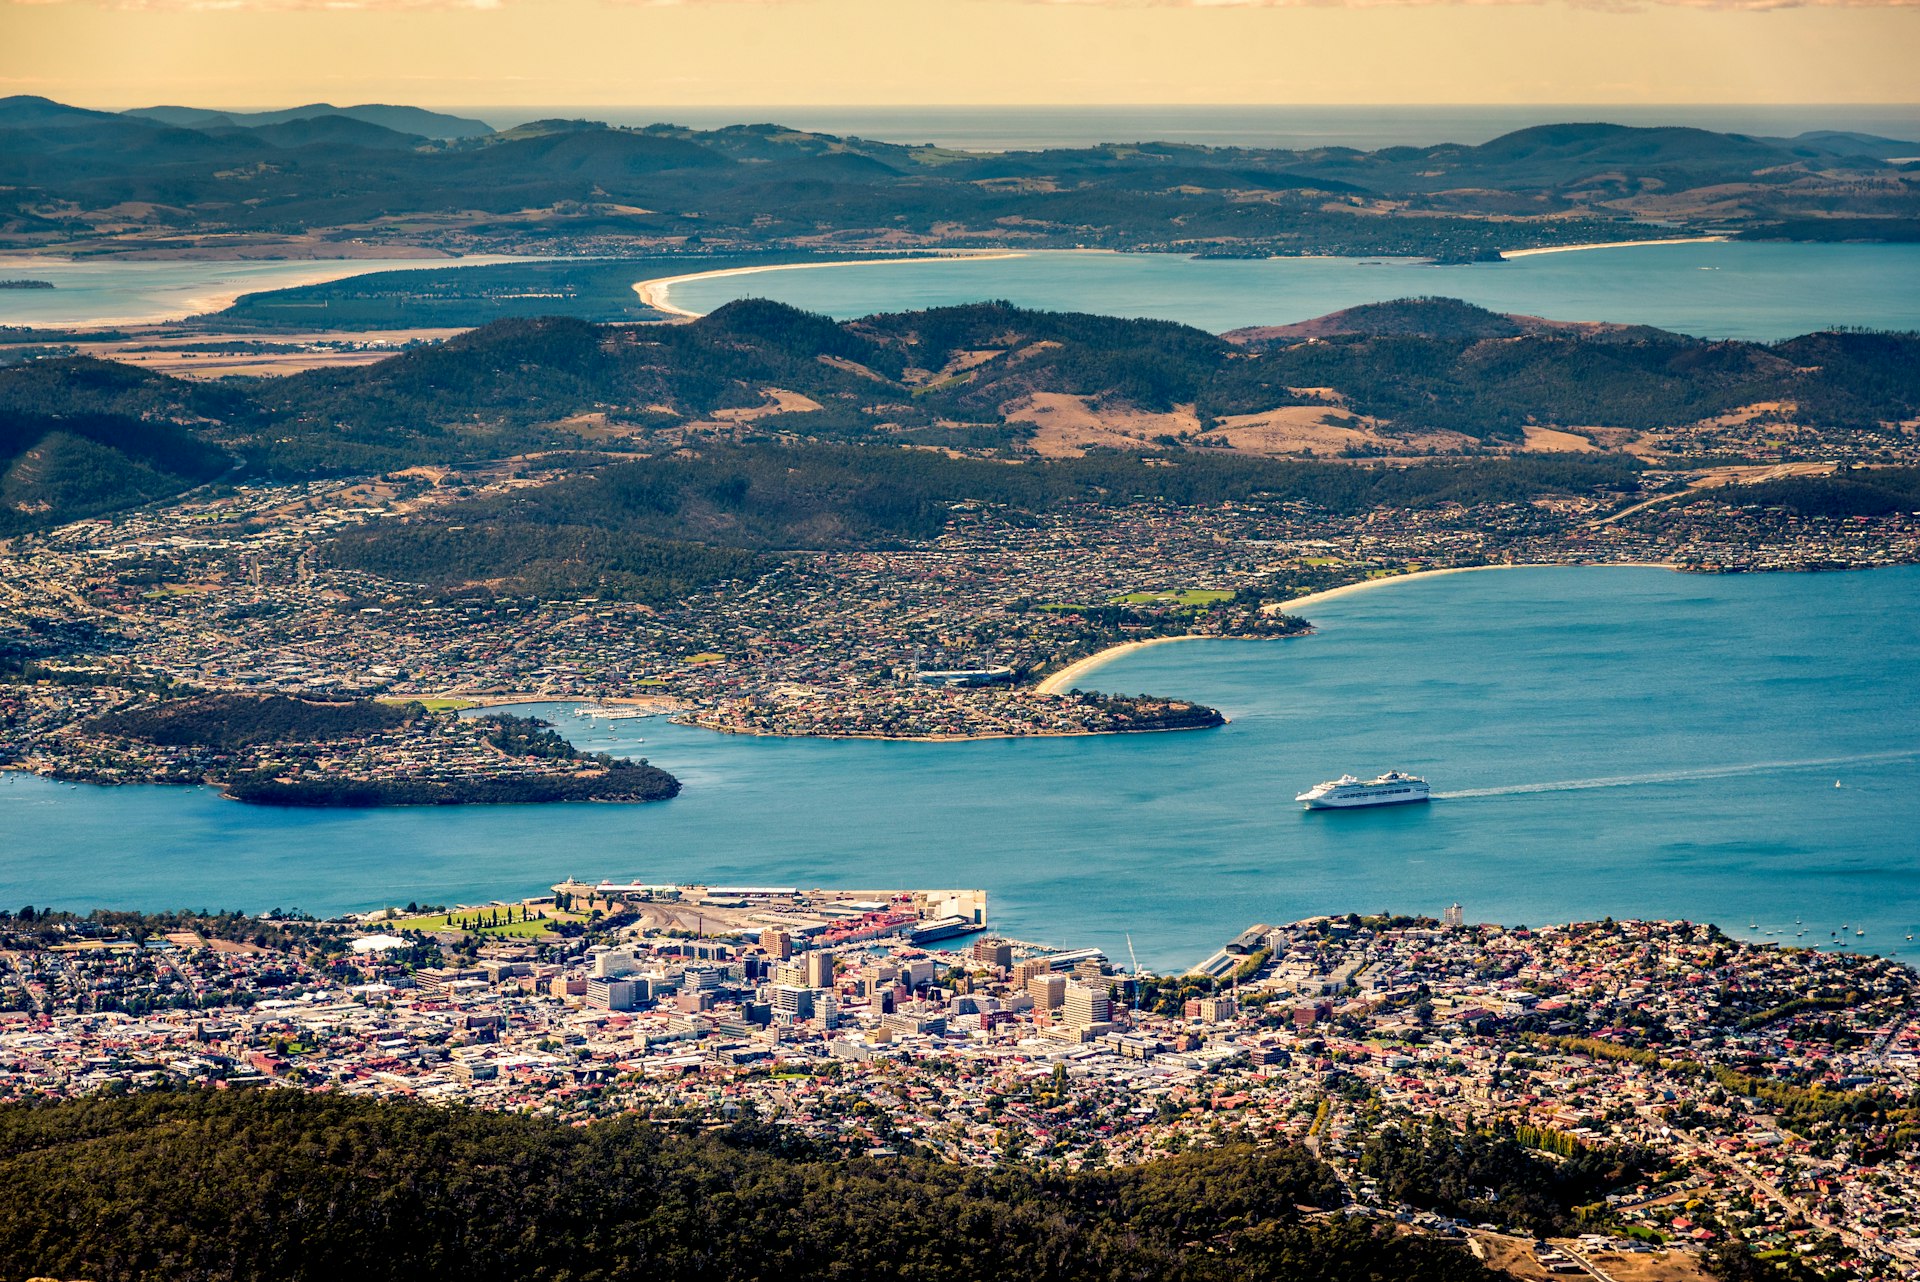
1288, 127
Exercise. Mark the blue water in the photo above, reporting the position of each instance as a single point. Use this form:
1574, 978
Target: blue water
1758, 292
120, 291
977, 128
1621, 741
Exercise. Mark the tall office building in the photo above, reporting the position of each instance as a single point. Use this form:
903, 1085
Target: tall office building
1087, 1005
612, 962
819, 969
1032, 966
1454, 917
791, 1004
1047, 991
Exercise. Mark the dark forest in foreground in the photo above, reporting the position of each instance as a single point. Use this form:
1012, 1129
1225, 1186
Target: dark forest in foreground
289, 1187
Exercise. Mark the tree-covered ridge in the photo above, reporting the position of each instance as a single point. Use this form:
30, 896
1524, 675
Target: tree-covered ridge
1880, 491
235, 721
651, 530
285, 1186
1535, 1179
955, 377
510, 385
63, 467
566, 556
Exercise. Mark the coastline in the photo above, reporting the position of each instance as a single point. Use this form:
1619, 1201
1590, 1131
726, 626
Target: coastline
1612, 244
959, 738
196, 306
656, 293
1063, 680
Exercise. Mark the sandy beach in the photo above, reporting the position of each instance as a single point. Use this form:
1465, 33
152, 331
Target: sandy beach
223, 295
1612, 244
1069, 676
656, 293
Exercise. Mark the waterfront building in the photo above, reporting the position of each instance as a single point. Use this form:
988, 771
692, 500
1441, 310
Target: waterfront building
997, 953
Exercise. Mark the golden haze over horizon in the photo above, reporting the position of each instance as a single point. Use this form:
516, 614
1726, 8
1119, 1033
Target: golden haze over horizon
510, 53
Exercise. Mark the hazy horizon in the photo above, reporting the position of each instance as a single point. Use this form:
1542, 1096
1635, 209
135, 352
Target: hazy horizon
1253, 125
986, 52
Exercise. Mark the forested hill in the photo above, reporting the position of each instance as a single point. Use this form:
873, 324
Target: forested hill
578, 184
284, 1186
1414, 378
653, 530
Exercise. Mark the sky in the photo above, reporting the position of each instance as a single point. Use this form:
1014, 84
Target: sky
260, 53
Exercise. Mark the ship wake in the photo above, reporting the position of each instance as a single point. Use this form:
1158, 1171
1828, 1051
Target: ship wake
1682, 776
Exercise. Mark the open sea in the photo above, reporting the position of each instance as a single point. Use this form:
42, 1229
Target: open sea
974, 128
1601, 741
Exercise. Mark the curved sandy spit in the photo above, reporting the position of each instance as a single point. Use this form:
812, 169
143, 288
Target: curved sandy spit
1069, 676
657, 293
1613, 244
324, 271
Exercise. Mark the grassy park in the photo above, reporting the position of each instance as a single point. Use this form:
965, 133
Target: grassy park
1187, 596
503, 923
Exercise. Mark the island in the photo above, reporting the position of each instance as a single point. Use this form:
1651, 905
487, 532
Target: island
26, 284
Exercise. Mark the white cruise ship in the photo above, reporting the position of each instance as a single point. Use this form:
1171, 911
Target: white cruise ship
1347, 792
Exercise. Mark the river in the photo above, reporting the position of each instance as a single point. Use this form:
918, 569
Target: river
1601, 741
1745, 290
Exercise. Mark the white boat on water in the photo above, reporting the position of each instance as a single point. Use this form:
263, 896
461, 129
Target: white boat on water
1349, 793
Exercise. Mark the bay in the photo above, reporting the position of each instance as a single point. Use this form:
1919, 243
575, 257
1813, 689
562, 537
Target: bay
1601, 741
120, 291
1753, 291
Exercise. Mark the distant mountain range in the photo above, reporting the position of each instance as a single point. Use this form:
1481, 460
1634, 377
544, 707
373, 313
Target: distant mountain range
412, 121
73, 176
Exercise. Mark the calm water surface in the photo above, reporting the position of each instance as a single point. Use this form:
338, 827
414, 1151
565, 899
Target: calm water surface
1758, 292
119, 291
1617, 741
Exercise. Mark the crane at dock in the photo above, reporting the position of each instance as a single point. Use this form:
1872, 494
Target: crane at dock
1136, 981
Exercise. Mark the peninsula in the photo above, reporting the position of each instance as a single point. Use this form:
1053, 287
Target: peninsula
278, 750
